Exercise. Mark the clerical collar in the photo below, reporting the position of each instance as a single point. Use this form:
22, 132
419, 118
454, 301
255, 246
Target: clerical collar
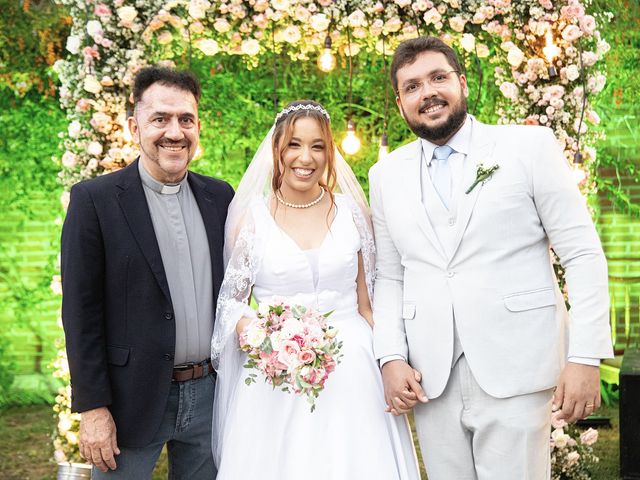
155, 185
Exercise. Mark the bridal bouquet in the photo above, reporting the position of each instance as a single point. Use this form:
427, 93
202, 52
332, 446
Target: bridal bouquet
293, 347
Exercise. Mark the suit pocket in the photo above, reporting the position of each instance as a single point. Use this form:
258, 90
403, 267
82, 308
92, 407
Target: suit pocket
408, 310
532, 299
118, 356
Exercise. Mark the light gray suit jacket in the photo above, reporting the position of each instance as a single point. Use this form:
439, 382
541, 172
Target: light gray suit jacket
499, 282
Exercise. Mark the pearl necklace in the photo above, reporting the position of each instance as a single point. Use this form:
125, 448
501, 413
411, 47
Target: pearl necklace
301, 205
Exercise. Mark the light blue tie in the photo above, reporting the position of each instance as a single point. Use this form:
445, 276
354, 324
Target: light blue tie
441, 173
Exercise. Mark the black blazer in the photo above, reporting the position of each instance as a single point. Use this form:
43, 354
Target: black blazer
116, 307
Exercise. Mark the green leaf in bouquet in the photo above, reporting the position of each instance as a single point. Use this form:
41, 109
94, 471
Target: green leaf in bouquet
266, 346
278, 310
298, 310
328, 313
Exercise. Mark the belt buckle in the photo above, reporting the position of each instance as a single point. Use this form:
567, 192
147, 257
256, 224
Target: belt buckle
184, 366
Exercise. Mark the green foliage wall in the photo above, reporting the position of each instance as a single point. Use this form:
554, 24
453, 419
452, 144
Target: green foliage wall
618, 168
29, 207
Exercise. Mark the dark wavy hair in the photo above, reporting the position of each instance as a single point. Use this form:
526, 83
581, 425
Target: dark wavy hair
408, 51
181, 80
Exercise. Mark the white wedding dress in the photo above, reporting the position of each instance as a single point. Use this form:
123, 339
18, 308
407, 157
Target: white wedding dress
272, 435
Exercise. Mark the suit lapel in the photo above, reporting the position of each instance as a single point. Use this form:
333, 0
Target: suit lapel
413, 178
205, 199
136, 211
481, 148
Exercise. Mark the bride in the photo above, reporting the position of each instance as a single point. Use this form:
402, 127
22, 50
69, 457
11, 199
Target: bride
298, 228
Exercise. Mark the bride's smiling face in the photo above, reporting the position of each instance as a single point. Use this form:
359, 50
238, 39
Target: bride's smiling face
304, 158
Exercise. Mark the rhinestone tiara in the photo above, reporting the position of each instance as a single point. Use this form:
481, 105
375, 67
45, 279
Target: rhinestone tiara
302, 106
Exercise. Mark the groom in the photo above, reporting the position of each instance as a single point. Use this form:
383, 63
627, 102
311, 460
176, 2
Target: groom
466, 292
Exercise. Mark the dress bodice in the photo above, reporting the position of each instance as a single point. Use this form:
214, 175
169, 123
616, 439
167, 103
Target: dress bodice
285, 270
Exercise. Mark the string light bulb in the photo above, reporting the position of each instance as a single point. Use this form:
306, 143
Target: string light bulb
327, 60
551, 51
351, 143
384, 147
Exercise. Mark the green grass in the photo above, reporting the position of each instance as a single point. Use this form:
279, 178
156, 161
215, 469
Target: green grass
26, 449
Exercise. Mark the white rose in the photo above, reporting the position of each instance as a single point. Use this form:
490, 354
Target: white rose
573, 72
207, 46
127, 14
280, 4
94, 28
457, 24
357, 18
482, 50
319, 22
432, 16
73, 44
74, 129
468, 42
92, 85
221, 25
94, 149
198, 8
250, 47
515, 56
291, 34
69, 159
255, 336
509, 90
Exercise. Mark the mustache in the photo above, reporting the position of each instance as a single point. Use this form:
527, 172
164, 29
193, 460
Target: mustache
431, 102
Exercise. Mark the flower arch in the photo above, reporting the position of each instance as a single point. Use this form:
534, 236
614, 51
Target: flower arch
112, 39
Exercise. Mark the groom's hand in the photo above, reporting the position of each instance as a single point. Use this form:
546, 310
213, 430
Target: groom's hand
98, 438
578, 393
402, 388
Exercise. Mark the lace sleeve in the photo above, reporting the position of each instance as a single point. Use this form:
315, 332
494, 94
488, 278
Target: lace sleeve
367, 245
233, 298
226, 356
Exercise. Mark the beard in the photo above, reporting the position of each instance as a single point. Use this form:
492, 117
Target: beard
440, 132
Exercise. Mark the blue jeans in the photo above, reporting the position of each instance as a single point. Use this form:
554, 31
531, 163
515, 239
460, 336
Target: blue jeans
185, 429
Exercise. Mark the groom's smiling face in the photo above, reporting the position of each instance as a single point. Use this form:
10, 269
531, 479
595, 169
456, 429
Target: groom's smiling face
432, 97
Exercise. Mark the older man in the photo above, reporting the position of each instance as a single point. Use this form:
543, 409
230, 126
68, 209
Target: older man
141, 269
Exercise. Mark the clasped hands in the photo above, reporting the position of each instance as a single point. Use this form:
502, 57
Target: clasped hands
402, 390
577, 395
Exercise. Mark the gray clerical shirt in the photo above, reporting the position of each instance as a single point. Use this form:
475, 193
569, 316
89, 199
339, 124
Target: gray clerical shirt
184, 248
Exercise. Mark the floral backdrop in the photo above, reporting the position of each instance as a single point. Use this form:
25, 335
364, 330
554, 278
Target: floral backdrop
111, 40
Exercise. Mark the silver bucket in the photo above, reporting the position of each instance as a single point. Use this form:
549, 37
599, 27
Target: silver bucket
74, 471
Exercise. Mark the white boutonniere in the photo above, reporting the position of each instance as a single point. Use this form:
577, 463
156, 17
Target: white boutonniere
482, 175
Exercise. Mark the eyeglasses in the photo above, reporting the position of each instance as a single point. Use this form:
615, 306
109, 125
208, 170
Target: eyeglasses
436, 80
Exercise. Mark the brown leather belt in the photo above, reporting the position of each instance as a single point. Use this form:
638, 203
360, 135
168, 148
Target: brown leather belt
193, 371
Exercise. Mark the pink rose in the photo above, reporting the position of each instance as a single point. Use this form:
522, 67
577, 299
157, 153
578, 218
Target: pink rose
571, 33
588, 24
101, 9
288, 354
83, 105
572, 458
531, 120
306, 356
556, 422
589, 437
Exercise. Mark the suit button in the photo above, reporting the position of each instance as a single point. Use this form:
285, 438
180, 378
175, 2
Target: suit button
450, 274
452, 222
168, 315
168, 356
